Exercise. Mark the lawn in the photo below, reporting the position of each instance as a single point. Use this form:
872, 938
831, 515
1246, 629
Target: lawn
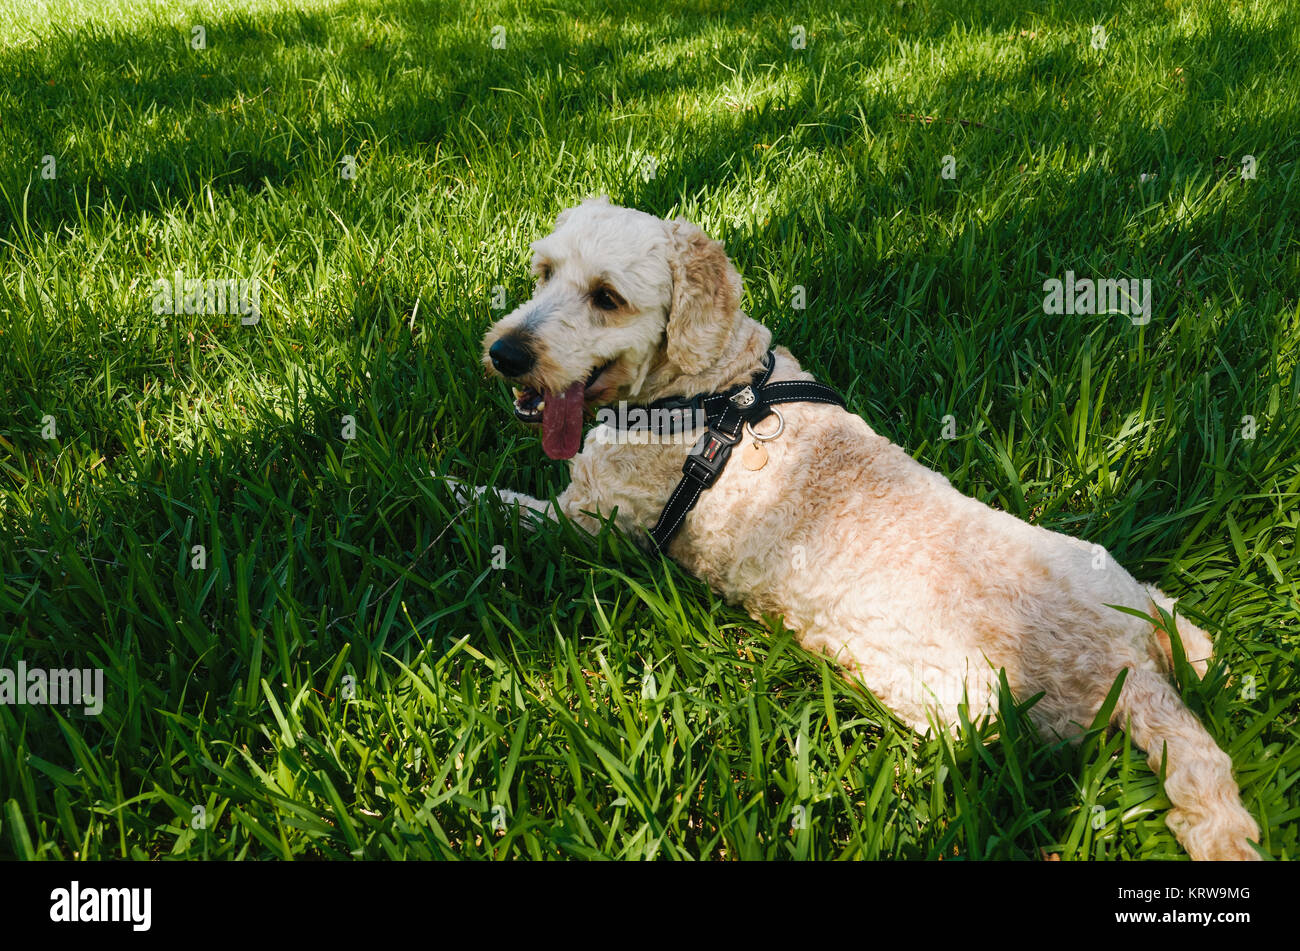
310, 650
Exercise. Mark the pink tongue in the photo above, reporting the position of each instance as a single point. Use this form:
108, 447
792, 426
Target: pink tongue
562, 422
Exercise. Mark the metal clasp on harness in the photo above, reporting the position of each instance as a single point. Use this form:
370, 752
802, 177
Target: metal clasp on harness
760, 437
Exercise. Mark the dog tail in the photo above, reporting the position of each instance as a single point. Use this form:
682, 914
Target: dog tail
1207, 815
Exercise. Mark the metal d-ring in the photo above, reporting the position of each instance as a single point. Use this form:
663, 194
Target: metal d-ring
758, 437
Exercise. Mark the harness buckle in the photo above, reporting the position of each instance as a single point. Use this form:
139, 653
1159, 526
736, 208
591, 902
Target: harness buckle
708, 456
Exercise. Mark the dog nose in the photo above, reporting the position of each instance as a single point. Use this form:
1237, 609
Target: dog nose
510, 357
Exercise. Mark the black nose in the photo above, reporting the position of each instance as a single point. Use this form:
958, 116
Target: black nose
510, 357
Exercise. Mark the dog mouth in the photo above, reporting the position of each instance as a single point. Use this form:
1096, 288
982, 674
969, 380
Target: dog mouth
530, 402
560, 412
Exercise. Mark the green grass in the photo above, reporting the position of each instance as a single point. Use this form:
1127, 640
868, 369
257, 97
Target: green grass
351, 675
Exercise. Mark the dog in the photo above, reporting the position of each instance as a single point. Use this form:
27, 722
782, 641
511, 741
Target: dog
919, 592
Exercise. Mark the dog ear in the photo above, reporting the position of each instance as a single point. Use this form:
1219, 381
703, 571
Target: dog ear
593, 200
706, 298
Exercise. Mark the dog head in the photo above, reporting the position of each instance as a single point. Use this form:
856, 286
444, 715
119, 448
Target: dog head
619, 293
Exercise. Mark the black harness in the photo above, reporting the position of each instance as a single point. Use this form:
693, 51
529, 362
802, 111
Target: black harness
725, 414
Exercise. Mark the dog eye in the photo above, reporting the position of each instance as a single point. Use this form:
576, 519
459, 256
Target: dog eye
605, 299
544, 273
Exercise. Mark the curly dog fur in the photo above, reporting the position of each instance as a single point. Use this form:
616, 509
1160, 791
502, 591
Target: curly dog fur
918, 591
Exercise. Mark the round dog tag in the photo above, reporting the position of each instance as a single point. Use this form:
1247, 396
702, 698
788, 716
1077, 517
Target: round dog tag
754, 457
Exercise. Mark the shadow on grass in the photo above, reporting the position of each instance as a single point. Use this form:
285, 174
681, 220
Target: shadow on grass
228, 117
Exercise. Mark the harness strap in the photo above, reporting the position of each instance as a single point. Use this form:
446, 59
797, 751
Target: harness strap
726, 414
675, 415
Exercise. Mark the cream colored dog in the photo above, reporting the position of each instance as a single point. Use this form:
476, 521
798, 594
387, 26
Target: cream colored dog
920, 592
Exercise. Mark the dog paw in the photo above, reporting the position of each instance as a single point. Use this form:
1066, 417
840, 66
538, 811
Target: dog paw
462, 492
1225, 834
